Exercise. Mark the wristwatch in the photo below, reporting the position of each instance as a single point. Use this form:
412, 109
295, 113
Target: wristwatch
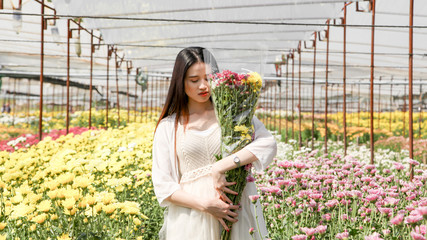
236, 160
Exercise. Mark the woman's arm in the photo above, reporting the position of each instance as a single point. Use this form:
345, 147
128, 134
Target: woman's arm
216, 207
166, 182
260, 152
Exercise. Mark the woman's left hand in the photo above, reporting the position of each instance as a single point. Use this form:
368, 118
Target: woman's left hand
221, 184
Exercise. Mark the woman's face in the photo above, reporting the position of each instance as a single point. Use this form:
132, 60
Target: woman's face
196, 83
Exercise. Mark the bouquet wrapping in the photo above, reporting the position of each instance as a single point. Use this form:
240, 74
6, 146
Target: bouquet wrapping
235, 97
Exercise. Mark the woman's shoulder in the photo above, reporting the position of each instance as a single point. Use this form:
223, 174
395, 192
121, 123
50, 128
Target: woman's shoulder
168, 121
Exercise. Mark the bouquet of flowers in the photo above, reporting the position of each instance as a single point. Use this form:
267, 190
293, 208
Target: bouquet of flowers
235, 97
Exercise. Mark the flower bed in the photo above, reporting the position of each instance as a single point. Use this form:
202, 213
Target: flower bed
95, 185
27, 140
308, 195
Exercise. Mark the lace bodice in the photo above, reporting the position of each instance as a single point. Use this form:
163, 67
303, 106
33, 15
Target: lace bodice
196, 151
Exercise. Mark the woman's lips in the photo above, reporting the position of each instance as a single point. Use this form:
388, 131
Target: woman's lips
203, 94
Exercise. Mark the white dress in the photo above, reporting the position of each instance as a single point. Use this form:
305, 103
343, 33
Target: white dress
195, 155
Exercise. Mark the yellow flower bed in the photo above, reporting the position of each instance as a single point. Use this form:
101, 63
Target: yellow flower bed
94, 184
397, 122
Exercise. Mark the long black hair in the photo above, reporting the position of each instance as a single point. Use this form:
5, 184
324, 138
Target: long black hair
177, 99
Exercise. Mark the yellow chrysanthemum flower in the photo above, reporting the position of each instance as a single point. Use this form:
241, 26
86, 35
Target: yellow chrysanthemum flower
109, 209
91, 200
44, 206
33, 227
21, 210
2, 225
64, 237
136, 221
69, 203
83, 181
255, 80
17, 199
40, 218
241, 128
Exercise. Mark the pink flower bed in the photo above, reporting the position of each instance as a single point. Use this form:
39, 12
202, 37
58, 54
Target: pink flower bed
331, 197
27, 140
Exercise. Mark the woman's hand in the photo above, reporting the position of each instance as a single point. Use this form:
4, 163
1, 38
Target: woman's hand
220, 183
221, 210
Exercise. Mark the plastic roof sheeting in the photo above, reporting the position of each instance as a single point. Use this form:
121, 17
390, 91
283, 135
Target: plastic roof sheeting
241, 34
234, 45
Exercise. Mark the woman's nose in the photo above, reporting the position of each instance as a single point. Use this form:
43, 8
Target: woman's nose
204, 84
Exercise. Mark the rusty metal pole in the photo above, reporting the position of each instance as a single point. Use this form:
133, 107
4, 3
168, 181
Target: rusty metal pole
351, 105
275, 104
147, 101
41, 72
411, 60
92, 49
269, 106
420, 116
142, 101
62, 99
292, 103
336, 107
136, 102
76, 102
117, 90
379, 103
344, 105
67, 118
299, 96
28, 100
326, 87
157, 94
127, 87
371, 139
404, 110
151, 100
391, 105
53, 97
13, 102
109, 51
358, 108
280, 102
286, 101
313, 85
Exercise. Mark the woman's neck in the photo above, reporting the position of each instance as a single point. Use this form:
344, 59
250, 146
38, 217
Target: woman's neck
199, 108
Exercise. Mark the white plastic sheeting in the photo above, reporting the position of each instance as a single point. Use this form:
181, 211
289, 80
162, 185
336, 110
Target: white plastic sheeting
241, 34
154, 44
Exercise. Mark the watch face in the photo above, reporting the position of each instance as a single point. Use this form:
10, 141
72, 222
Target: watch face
237, 160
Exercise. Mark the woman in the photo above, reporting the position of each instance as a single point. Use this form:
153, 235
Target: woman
186, 176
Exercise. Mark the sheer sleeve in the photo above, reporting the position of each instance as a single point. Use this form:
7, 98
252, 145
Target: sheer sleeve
165, 179
264, 146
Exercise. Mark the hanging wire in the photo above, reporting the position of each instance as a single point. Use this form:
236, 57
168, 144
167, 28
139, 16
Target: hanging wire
214, 21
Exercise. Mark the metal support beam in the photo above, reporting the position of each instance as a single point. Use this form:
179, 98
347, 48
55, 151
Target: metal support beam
41, 71
67, 118
313, 86
326, 87
299, 96
344, 105
92, 49
371, 137
293, 106
411, 61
